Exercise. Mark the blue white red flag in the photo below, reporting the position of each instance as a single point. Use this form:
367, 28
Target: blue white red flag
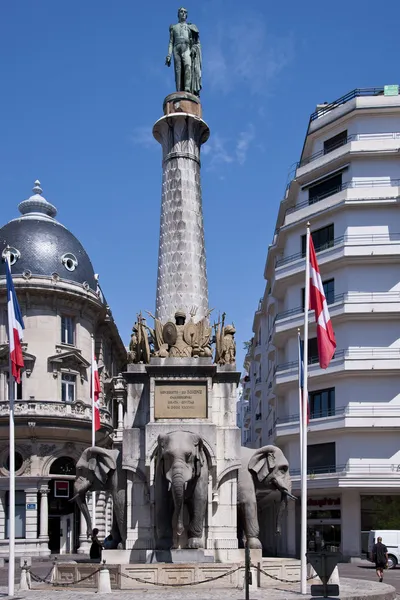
301, 372
96, 395
15, 328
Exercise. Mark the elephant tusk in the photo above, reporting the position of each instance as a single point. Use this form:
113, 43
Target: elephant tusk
169, 486
186, 484
289, 495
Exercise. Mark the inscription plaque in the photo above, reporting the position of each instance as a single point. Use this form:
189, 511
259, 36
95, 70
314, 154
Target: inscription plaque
180, 401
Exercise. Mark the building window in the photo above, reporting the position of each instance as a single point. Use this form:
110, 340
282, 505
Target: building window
325, 188
335, 142
329, 291
19, 514
17, 388
321, 458
69, 261
322, 403
312, 350
68, 384
322, 238
67, 330
18, 461
65, 465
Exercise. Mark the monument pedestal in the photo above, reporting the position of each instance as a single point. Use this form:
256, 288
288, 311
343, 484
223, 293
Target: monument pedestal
182, 394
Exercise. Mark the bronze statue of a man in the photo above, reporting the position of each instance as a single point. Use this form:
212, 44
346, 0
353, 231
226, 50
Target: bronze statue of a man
184, 44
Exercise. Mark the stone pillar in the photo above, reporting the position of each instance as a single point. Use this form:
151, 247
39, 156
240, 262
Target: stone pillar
291, 528
31, 497
84, 543
2, 514
351, 523
182, 277
44, 513
119, 392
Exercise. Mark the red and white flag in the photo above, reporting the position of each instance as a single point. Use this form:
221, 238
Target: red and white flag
325, 334
15, 328
96, 395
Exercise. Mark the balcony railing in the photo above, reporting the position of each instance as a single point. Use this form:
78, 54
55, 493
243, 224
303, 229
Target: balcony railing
347, 411
351, 468
349, 297
353, 353
366, 183
355, 137
53, 409
357, 93
356, 239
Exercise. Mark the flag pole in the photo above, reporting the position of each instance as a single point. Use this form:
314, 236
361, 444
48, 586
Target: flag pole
300, 396
303, 550
93, 431
11, 496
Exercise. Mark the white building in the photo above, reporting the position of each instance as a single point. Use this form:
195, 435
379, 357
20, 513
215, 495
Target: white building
347, 185
62, 307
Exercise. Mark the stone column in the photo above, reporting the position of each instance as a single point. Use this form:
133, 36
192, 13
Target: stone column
119, 393
84, 543
182, 277
351, 523
31, 514
44, 513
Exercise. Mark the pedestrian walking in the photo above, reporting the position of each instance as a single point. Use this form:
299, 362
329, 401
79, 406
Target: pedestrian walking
96, 547
380, 558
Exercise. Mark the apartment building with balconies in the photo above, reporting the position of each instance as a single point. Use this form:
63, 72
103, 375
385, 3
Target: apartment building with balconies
347, 186
63, 307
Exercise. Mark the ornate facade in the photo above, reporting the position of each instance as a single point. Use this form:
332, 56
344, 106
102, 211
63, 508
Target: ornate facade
62, 307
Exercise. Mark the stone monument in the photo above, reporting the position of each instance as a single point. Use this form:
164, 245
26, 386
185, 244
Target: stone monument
177, 440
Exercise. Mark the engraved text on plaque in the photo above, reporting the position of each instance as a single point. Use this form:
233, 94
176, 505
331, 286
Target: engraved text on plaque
180, 401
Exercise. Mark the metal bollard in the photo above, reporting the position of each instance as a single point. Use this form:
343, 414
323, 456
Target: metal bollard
104, 586
25, 578
247, 572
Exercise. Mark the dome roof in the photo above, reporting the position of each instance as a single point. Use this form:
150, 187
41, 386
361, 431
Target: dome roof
42, 246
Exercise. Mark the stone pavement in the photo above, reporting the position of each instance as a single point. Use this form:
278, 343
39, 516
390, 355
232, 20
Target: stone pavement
349, 589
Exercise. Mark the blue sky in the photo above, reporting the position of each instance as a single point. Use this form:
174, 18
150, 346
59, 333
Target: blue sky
83, 82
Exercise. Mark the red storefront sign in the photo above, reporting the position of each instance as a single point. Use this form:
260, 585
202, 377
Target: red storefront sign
61, 489
323, 502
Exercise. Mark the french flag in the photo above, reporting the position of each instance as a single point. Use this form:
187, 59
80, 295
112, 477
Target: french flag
96, 395
300, 348
15, 328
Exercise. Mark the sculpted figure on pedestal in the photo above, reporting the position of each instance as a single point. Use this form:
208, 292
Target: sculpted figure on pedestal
176, 334
181, 480
100, 469
225, 345
184, 44
264, 474
139, 349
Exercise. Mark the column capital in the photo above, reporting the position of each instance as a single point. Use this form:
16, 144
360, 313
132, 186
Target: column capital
44, 491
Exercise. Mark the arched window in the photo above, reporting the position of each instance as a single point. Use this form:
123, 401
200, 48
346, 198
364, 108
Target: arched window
63, 466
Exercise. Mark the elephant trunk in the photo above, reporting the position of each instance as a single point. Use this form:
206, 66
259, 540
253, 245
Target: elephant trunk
178, 494
80, 499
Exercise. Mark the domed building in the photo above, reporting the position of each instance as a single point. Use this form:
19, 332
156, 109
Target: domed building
63, 307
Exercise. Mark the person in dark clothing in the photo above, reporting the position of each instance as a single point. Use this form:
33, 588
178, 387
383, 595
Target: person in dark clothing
380, 558
96, 547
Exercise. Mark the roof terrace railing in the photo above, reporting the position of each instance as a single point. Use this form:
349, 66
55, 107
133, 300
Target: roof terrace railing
357, 93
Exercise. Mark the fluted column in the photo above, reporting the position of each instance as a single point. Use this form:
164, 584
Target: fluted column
182, 277
44, 513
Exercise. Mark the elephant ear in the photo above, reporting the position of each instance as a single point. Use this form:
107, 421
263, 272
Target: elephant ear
198, 444
263, 462
101, 464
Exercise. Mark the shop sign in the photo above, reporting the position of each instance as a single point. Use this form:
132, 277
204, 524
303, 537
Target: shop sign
323, 502
61, 489
31, 507
391, 90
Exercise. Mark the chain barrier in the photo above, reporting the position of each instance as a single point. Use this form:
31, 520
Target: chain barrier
182, 584
39, 579
260, 570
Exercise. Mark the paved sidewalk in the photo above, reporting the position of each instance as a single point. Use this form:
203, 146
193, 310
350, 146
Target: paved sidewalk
349, 588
